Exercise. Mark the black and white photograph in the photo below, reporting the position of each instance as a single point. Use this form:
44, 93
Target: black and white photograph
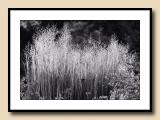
80, 60
91, 61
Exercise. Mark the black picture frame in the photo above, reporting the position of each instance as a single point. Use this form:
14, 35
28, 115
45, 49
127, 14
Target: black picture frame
77, 9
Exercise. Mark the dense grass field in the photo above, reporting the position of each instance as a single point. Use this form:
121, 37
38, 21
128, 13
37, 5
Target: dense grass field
57, 69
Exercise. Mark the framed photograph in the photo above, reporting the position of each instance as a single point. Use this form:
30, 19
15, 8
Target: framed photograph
80, 59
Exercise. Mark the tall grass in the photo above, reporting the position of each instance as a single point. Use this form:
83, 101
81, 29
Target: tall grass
57, 69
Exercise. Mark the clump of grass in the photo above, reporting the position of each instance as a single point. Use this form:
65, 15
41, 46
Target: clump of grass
56, 69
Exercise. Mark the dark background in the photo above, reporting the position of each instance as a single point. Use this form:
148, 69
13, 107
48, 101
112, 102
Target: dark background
127, 31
